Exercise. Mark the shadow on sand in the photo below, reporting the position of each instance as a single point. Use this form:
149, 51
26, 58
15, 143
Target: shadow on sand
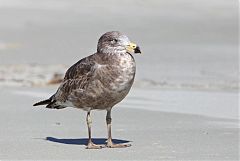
84, 141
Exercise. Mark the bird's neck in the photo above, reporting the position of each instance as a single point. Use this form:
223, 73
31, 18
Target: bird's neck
116, 58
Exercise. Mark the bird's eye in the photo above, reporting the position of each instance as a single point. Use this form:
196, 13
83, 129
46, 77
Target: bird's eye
113, 41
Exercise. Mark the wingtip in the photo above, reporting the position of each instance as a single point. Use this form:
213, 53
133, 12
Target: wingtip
44, 102
35, 104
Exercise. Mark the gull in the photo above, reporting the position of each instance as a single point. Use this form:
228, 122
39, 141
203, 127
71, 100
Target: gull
98, 82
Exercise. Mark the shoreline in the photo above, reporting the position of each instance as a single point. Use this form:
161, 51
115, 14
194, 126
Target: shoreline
202, 103
33, 75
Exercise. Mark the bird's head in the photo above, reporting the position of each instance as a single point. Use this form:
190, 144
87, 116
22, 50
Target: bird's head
116, 42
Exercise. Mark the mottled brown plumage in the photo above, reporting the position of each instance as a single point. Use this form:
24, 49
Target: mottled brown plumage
98, 81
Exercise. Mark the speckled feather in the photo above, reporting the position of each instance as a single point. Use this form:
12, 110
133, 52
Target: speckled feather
98, 81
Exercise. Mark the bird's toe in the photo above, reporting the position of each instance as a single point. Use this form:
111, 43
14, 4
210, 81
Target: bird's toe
112, 145
95, 146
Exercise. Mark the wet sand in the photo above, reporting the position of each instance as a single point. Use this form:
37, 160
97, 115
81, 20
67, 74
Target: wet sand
183, 133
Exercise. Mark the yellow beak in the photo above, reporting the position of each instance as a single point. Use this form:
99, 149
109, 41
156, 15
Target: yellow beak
133, 48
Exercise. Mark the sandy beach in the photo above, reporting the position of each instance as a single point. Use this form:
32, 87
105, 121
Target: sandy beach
184, 104
43, 134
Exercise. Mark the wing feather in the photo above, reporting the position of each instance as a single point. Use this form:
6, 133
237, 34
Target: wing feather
80, 69
77, 77
87, 81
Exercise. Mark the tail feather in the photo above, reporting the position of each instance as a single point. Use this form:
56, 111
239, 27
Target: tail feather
51, 103
54, 105
44, 102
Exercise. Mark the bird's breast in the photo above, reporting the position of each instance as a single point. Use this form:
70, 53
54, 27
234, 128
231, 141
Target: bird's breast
126, 69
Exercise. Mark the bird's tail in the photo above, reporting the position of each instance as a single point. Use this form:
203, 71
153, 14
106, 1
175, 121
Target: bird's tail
44, 102
51, 103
